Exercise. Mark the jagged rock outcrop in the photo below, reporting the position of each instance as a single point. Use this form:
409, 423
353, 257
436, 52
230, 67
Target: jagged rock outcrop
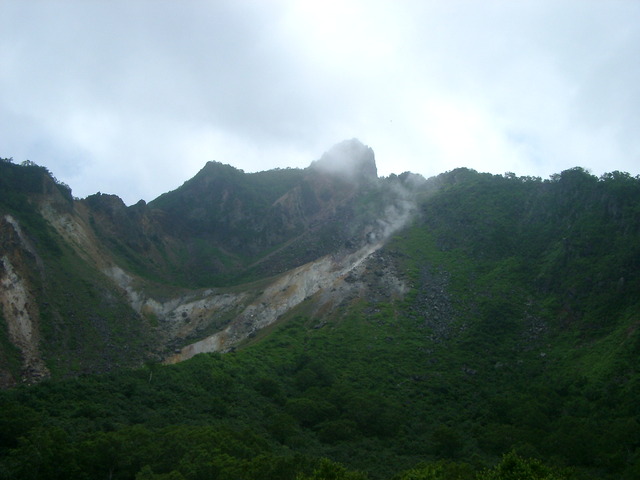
350, 160
176, 276
301, 214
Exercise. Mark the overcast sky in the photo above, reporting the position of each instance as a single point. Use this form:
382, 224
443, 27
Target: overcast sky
133, 97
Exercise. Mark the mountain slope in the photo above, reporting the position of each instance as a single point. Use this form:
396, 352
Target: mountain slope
60, 314
503, 315
187, 265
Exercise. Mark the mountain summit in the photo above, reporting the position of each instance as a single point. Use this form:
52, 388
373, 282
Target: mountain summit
350, 159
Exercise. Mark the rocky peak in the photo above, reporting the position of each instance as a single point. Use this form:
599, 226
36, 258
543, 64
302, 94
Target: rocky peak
350, 159
106, 203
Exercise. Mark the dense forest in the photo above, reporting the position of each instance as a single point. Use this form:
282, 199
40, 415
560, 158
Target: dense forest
514, 355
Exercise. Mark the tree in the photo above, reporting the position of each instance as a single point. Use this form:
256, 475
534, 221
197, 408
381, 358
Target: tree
328, 470
442, 470
514, 467
446, 442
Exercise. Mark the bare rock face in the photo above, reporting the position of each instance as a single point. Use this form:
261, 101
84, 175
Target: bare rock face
17, 301
350, 160
328, 282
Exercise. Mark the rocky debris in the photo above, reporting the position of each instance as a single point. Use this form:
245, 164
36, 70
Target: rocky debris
324, 281
534, 331
184, 316
379, 278
432, 306
469, 371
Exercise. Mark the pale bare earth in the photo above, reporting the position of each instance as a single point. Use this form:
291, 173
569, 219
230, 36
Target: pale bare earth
325, 276
21, 312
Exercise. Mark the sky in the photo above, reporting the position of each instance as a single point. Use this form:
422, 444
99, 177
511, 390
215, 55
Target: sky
133, 97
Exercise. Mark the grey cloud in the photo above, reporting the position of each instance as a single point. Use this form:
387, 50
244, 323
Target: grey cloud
102, 92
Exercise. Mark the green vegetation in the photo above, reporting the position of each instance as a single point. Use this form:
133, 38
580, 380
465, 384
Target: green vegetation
360, 391
10, 357
18, 185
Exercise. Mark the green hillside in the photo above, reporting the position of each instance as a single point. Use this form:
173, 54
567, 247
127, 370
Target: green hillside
81, 323
514, 355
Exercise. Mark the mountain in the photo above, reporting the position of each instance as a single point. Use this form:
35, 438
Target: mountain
80, 276
376, 322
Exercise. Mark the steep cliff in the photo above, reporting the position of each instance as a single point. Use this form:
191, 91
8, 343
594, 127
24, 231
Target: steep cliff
91, 285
